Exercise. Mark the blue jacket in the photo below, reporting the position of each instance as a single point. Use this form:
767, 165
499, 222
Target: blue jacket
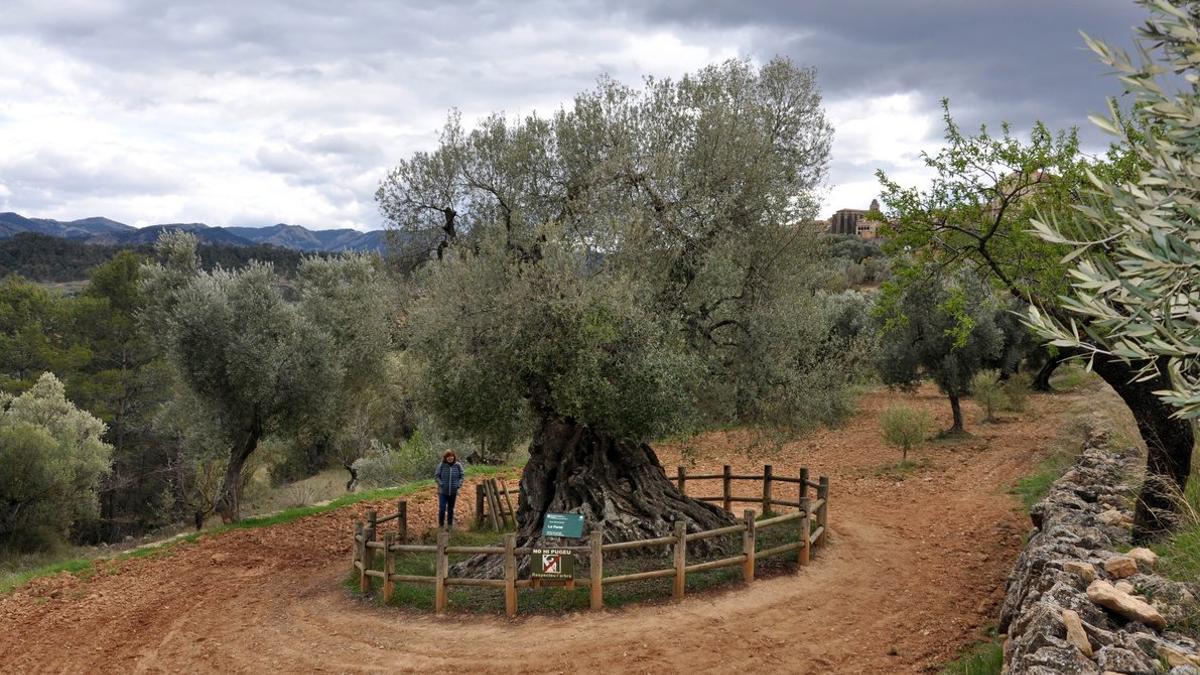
449, 477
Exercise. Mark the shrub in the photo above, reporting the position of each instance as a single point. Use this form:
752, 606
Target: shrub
988, 392
904, 428
385, 466
1016, 392
53, 461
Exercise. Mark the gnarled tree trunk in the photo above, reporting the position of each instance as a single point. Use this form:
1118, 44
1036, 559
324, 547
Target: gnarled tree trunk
1169, 441
618, 485
228, 504
1041, 381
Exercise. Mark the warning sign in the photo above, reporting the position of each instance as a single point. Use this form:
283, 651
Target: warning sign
552, 563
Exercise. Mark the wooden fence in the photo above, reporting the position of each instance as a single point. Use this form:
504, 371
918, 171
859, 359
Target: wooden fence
811, 520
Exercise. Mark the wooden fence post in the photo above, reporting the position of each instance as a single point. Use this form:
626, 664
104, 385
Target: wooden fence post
596, 568
680, 558
402, 516
682, 478
510, 575
766, 503
442, 569
479, 505
364, 584
389, 567
372, 524
358, 550
363, 580
748, 545
805, 520
823, 512
728, 488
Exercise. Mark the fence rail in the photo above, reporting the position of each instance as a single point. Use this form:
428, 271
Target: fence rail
811, 520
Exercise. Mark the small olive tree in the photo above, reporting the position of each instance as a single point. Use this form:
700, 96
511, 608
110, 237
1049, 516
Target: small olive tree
945, 330
988, 391
904, 427
53, 460
255, 362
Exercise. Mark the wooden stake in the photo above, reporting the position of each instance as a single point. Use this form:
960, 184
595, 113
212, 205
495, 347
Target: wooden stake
682, 478
766, 502
748, 545
680, 558
493, 504
508, 500
823, 512
358, 551
596, 568
441, 571
805, 551
479, 497
402, 516
510, 575
389, 567
368, 552
727, 488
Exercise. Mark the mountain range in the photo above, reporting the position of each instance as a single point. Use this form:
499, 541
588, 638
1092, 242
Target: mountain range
110, 232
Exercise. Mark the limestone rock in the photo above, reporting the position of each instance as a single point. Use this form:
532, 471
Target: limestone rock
1120, 566
1075, 632
1122, 660
1144, 557
1106, 595
1080, 569
1178, 657
1111, 517
1124, 586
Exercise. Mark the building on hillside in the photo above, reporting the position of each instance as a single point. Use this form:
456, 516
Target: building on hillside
855, 222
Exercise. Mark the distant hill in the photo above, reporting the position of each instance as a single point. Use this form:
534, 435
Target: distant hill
50, 259
103, 231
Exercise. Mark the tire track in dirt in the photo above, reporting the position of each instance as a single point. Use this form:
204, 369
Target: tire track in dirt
915, 567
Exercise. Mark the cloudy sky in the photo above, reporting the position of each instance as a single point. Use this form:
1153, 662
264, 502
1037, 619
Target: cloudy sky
253, 113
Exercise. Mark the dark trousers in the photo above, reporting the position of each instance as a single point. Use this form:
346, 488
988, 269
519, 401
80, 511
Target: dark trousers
446, 509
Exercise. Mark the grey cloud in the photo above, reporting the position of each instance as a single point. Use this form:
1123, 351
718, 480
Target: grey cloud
1016, 60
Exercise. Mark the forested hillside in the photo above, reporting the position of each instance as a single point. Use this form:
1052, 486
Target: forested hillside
49, 259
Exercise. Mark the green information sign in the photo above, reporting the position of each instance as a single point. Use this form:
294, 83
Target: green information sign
552, 563
569, 525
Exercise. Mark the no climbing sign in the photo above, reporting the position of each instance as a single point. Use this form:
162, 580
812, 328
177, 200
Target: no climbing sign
552, 563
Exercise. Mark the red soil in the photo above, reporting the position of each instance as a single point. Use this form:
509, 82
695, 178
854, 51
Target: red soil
914, 570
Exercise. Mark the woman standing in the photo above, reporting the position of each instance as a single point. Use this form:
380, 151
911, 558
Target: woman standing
449, 478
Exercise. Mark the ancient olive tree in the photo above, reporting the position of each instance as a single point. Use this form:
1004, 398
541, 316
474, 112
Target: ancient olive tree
1134, 262
255, 362
53, 460
626, 269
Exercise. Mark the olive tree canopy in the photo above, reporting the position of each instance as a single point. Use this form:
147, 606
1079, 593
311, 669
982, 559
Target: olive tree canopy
631, 267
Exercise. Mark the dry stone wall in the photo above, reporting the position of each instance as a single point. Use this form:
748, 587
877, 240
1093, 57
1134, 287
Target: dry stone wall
1075, 604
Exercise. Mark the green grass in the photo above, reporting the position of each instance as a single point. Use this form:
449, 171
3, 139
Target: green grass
558, 600
1036, 485
1070, 376
902, 468
984, 658
1179, 555
84, 567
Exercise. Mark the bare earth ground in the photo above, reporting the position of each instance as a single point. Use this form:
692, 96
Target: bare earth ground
915, 567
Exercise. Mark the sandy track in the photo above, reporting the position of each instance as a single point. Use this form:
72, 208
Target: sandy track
913, 570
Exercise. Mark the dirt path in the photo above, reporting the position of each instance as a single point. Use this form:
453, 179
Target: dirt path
914, 567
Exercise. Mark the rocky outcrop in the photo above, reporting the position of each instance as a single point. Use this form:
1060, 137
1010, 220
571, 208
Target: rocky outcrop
1074, 603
